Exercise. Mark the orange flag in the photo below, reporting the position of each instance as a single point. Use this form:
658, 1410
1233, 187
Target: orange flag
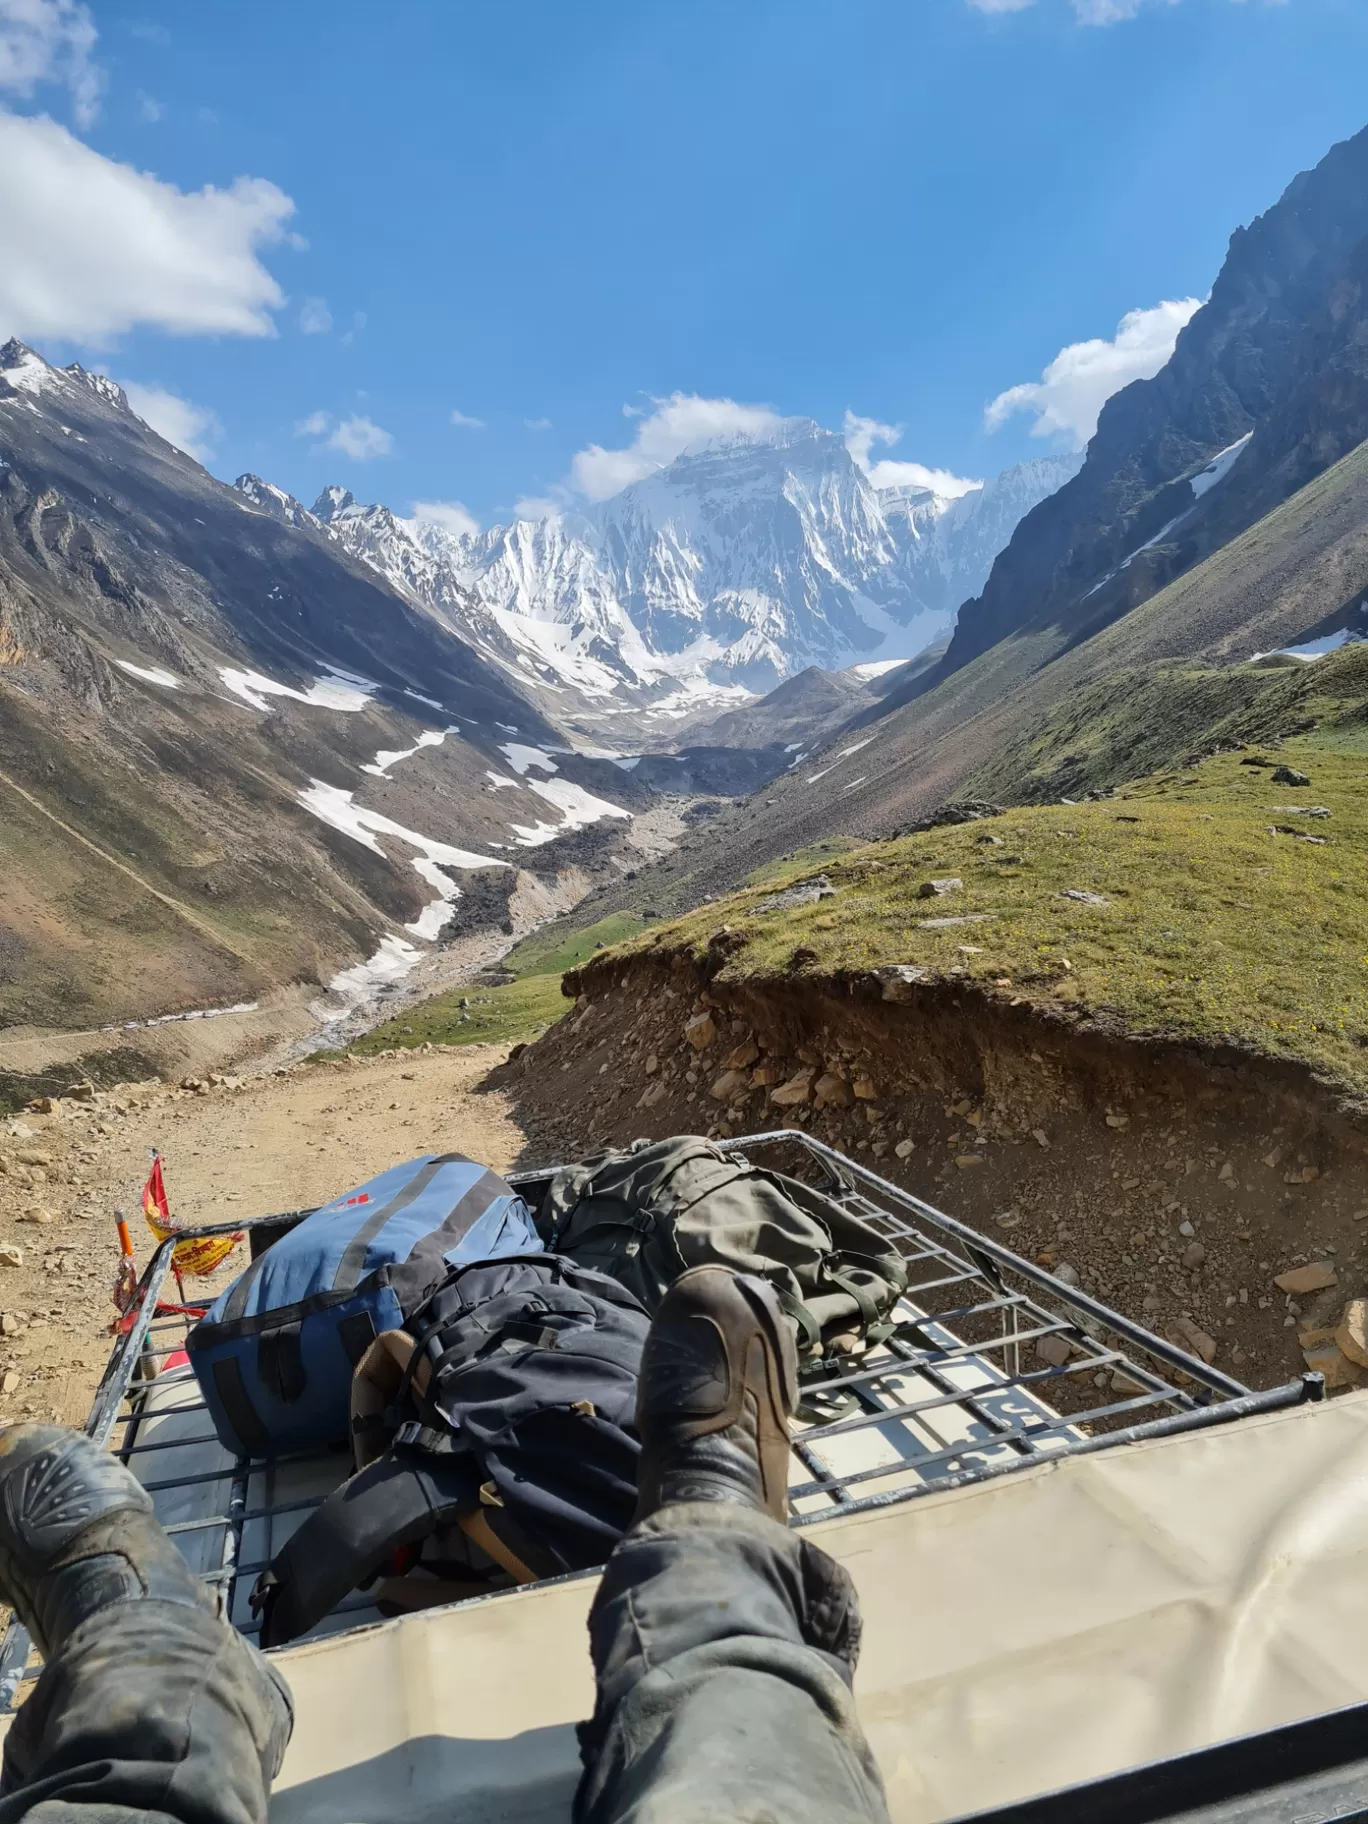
200, 1256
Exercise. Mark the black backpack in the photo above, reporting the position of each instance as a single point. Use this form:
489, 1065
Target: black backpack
521, 1438
650, 1213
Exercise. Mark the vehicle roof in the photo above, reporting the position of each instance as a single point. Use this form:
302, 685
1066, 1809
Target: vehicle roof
1021, 1634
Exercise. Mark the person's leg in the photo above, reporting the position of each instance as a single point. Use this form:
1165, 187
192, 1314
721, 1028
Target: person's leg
723, 1644
149, 1707
724, 1647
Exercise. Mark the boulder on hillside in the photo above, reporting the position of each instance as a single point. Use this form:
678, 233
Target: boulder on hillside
700, 1031
796, 1091
1316, 1277
960, 810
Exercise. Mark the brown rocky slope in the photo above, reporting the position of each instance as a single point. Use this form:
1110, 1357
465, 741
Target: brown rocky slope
1178, 1184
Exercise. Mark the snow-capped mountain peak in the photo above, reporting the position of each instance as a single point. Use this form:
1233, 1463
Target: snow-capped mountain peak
332, 502
25, 370
276, 502
744, 560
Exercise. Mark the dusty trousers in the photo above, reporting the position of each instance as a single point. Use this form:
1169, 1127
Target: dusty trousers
149, 1712
724, 1648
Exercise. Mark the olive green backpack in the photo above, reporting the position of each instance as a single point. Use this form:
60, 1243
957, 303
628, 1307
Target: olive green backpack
650, 1213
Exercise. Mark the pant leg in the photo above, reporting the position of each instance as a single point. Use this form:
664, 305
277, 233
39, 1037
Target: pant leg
724, 1647
150, 1712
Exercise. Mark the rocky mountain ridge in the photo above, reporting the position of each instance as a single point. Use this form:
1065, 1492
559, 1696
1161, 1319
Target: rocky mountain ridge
1268, 383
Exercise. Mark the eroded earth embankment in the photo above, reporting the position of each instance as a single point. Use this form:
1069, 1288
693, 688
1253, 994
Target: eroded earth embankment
1178, 1184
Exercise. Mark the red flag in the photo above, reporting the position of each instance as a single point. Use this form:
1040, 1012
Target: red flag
155, 1207
199, 1257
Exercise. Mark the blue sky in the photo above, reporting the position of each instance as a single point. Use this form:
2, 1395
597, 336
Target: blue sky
537, 216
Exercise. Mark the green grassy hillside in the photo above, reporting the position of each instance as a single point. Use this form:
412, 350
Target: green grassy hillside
1133, 722
516, 1010
1200, 915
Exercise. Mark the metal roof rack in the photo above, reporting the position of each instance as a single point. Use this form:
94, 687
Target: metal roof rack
993, 1365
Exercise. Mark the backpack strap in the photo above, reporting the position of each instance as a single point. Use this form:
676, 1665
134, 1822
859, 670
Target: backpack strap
795, 1308
495, 1531
642, 1221
871, 1323
865, 1303
677, 1205
844, 1407
394, 1502
429, 1332
280, 1362
874, 1323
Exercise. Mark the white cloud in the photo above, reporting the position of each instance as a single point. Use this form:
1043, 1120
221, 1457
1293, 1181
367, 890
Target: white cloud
150, 110
542, 424
1091, 12
356, 437
1082, 377
451, 515
93, 248
861, 435
538, 506
360, 439
685, 420
315, 319
675, 423
50, 41
192, 428
470, 424
1108, 12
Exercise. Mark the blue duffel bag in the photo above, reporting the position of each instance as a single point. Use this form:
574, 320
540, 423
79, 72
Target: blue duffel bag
274, 1354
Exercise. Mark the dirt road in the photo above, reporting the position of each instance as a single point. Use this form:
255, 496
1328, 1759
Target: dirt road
246, 1147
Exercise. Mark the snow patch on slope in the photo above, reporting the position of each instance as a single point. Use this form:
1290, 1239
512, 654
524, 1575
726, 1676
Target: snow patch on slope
1201, 484
30, 373
1220, 466
151, 674
875, 669
578, 807
388, 757
1314, 649
520, 757
334, 690
338, 808
390, 963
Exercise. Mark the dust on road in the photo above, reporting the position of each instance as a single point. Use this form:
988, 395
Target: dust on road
246, 1147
